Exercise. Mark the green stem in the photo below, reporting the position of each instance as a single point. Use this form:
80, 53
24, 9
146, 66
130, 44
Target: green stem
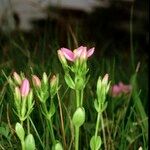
97, 124
81, 97
23, 145
77, 129
104, 136
49, 124
76, 137
50, 127
78, 98
28, 125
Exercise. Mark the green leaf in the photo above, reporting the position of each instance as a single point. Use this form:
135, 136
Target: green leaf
20, 131
95, 143
69, 81
96, 105
58, 146
29, 142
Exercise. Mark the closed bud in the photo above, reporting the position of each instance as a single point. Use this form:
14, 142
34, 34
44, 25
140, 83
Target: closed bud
17, 78
45, 78
78, 117
54, 81
17, 93
25, 88
36, 81
62, 58
54, 85
105, 79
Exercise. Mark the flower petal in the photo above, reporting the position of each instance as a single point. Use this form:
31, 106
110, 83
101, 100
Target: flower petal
68, 54
79, 51
90, 52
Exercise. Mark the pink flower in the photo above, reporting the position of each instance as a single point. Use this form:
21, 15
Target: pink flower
68, 54
80, 52
25, 87
121, 88
115, 91
125, 88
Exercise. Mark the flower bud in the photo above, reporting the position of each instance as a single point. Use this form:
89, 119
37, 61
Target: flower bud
54, 85
25, 87
45, 78
17, 93
62, 58
105, 80
79, 116
17, 78
36, 81
53, 81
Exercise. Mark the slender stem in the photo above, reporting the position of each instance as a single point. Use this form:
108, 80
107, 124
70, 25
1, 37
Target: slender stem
23, 145
62, 122
50, 126
104, 136
36, 132
77, 129
82, 97
97, 124
77, 137
28, 125
78, 98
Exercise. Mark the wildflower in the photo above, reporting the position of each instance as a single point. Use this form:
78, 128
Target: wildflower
119, 89
25, 87
81, 52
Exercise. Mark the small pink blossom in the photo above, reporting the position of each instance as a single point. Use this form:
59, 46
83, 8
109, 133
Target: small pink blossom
25, 88
80, 52
115, 90
121, 88
68, 54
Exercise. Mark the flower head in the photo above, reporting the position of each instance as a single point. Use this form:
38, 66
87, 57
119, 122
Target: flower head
81, 52
121, 88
